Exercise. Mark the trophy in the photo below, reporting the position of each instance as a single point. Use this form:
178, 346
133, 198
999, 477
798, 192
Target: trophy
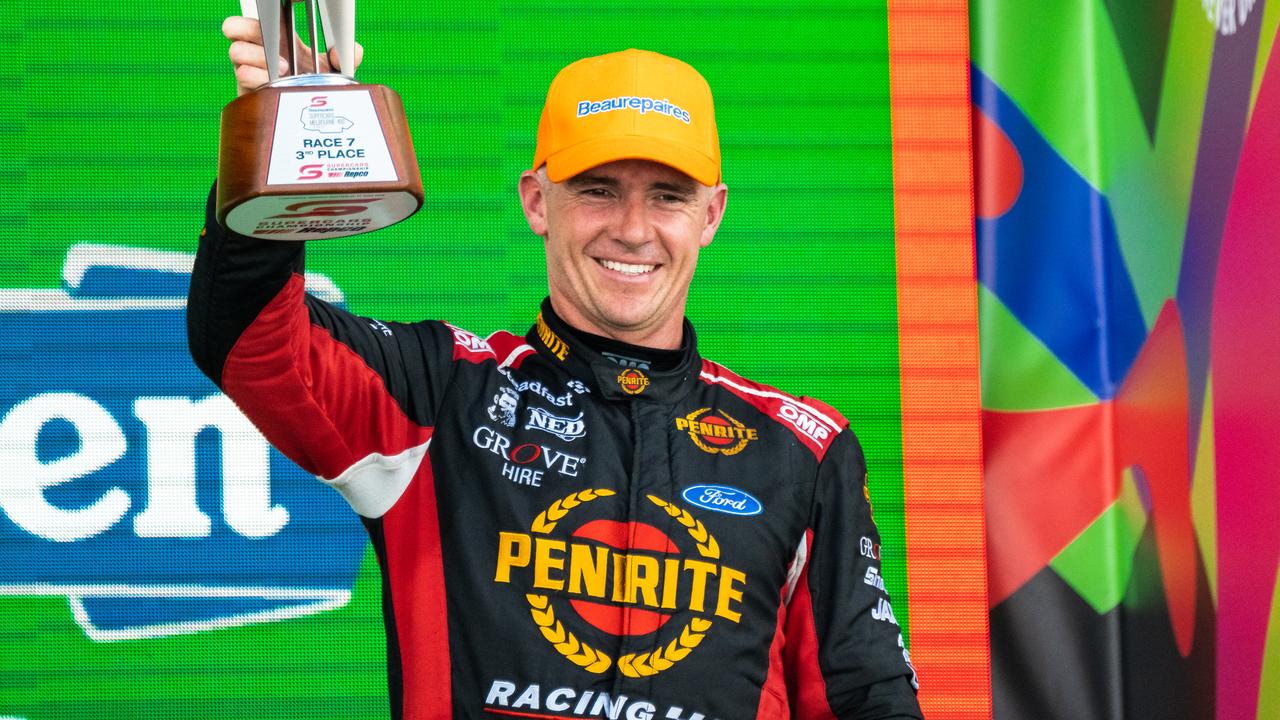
314, 155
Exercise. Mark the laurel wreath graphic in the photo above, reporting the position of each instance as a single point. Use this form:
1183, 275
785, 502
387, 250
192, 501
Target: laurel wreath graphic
565, 642
544, 615
707, 544
633, 665
651, 663
697, 440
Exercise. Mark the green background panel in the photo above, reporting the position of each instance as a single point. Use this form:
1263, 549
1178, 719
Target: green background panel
110, 136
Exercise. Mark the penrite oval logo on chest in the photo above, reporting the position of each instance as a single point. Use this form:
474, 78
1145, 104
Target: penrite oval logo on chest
716, 432
622, 579
632, 381
722, 499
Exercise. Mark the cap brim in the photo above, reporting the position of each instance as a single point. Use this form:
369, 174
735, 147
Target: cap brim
595, 152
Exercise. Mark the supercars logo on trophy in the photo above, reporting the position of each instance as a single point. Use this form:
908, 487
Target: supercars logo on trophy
312, 139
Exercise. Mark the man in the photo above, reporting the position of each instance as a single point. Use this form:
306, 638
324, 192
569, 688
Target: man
589, 521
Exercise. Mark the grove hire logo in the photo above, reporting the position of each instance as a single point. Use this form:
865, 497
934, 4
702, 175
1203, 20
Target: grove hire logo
623, 578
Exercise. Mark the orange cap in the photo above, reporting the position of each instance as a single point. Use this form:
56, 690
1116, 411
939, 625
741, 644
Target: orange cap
633, 104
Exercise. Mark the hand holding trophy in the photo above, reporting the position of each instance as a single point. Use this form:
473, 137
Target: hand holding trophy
314, 155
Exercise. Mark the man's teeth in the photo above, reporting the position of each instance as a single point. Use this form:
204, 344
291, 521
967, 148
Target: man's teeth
627, 268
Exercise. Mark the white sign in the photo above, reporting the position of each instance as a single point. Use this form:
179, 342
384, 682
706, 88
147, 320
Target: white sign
328, 136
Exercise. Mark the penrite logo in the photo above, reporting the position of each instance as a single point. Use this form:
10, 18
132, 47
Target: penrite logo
632, 381
130, 485
716, 433
566, 429
558, 347
621, 578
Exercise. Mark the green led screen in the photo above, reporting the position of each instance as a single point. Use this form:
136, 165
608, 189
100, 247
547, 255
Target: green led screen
107, 153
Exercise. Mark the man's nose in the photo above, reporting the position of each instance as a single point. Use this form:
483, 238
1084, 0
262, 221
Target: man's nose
634, 228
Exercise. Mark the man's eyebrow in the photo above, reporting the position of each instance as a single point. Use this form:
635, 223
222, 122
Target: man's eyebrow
683, 188
586, 178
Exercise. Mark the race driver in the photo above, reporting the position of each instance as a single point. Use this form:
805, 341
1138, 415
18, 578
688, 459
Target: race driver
589, 520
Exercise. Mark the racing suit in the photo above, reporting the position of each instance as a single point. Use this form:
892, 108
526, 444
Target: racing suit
561, 533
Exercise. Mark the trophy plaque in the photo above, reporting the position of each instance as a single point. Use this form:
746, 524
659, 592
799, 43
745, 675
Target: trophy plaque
314, 155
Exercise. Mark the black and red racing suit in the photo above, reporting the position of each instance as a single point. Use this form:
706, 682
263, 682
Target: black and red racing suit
561, 535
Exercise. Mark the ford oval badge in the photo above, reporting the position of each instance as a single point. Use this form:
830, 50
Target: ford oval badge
722, 499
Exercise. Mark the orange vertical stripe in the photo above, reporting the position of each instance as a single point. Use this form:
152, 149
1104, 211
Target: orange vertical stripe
938, 355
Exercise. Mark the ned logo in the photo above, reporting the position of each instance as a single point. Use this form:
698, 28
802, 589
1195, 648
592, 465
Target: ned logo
130, 485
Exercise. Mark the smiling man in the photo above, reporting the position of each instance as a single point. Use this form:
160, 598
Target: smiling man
589, 520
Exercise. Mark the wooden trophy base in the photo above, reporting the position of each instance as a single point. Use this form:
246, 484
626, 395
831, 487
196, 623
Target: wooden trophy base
306, 161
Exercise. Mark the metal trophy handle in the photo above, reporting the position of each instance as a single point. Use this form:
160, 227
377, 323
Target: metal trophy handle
314, 155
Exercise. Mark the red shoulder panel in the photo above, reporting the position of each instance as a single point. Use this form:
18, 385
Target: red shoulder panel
815, 424
324, 427
511, 350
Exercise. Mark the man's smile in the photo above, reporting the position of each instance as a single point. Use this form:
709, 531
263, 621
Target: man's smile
630, 269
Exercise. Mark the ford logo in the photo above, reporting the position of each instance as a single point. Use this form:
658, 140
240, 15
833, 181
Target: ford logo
722, 499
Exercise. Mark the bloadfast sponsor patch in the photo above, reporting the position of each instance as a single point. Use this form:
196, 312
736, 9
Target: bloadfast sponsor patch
641, 105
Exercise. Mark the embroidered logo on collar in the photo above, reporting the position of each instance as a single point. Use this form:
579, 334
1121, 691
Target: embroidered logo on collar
558, 347
717, 432
625, 361
632, 381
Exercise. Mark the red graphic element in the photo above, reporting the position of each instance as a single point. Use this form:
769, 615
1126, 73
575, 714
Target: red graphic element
327, 208
827, 422
1040, 498
525, 454
1152, 434
997, 168
1246, 407
617, 619
310, 172
710, 419
1069, 468
319, 101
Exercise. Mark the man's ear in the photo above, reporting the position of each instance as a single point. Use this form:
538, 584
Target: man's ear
715, 213
533, 200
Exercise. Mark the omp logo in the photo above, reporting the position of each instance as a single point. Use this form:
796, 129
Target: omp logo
716, 432
622, 578
804, 422
470, 341
129, 485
